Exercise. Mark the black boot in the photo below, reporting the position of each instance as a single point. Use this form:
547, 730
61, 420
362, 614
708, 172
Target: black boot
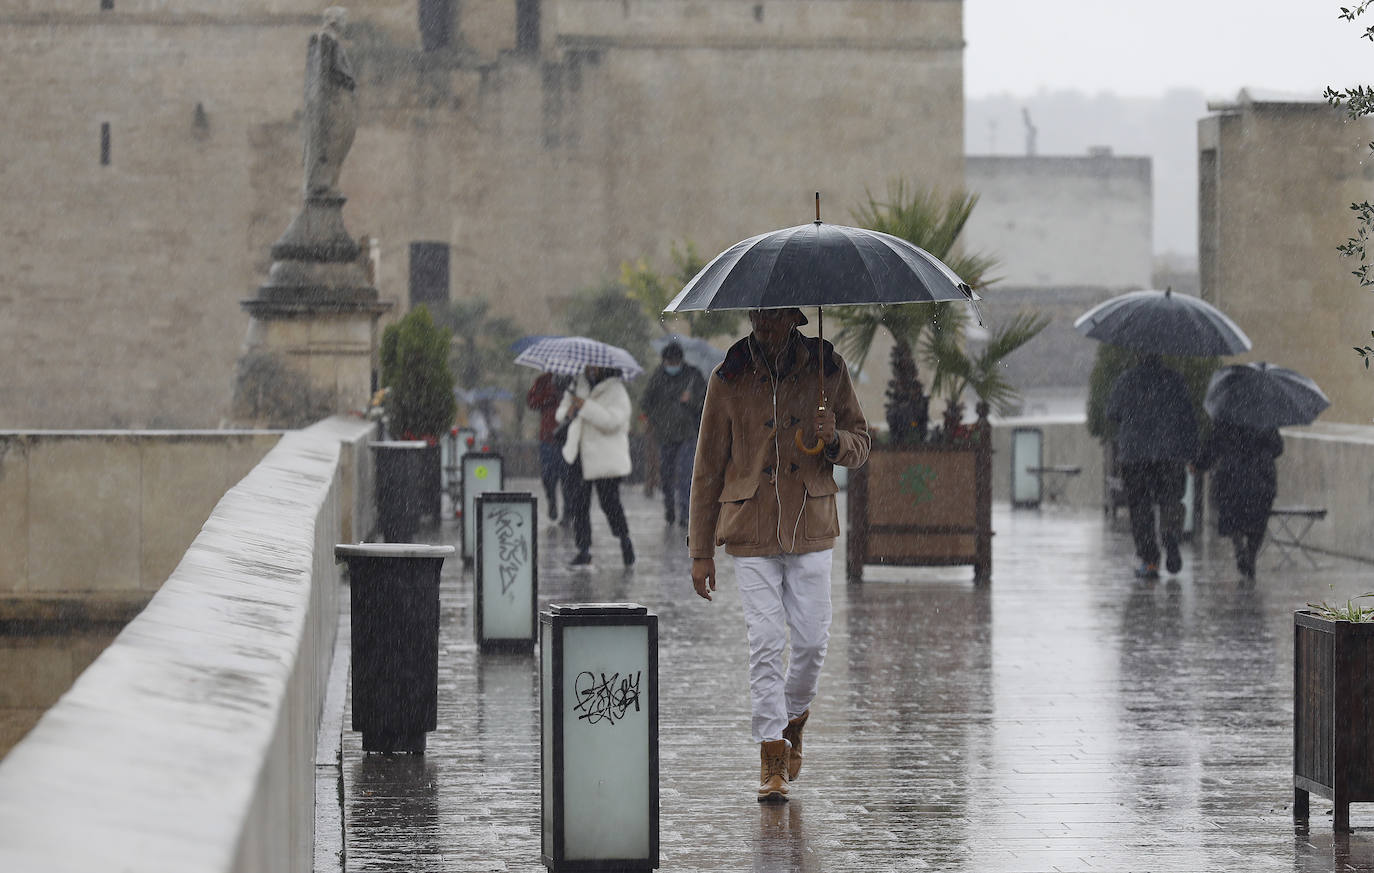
627, 550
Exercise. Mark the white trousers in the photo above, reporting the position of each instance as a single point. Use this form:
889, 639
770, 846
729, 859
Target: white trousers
782, 594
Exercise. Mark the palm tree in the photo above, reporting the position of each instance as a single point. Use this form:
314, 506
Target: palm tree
957, 371
933, 222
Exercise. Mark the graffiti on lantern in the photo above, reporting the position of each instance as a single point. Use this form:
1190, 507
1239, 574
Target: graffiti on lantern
600, 699
509, 524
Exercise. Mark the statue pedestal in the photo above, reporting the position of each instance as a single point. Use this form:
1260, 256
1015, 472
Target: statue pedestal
312, 342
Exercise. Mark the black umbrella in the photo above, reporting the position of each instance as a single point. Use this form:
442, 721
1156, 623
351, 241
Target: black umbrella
1163, 322
818, 265
1261, 395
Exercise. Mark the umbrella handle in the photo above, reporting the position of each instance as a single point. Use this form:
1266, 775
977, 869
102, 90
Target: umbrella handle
801, 443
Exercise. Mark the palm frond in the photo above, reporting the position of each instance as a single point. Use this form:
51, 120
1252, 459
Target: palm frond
1014, 334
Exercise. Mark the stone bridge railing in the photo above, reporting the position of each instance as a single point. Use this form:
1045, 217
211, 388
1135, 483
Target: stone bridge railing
188, 745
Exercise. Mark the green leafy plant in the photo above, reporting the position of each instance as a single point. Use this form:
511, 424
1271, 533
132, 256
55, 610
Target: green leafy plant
983, 372
414, 355
480, 355
654, 290
1350, 611
1359, 103
934, 222
271, 394
609, 314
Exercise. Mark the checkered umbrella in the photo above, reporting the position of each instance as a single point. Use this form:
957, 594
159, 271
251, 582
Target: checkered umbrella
569, 354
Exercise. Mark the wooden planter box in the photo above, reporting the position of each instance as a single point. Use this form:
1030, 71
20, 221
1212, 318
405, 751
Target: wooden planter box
927, 505
1333, 687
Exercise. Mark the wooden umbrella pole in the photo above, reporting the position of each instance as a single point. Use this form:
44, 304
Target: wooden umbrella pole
820, 359
820, 380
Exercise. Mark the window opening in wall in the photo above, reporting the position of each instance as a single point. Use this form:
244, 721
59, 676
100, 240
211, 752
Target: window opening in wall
436, 24
106, 4
429, 274
527, 26
104, 143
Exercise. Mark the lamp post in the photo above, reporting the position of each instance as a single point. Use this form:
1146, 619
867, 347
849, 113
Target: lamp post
506, 572
599, 735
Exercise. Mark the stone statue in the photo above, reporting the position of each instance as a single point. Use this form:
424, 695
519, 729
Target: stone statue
330, 106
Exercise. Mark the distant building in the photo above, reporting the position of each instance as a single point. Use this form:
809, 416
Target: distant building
1069, 232
1277, 175
512, 150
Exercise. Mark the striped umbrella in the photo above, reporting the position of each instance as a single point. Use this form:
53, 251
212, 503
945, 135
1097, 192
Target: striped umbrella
568, 355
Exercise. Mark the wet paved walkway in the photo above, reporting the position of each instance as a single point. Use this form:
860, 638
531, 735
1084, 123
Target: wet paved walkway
1068, 717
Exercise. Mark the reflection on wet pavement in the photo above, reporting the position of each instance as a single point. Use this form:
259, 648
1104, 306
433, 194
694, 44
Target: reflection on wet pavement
1067, 717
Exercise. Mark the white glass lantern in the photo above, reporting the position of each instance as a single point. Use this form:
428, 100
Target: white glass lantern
481, 473
506, 572
1026, 446
599, 731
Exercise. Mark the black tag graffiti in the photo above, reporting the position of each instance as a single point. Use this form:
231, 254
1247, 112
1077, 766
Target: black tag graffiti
607, 699
512, 548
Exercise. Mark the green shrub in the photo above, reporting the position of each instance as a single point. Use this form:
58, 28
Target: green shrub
415, 372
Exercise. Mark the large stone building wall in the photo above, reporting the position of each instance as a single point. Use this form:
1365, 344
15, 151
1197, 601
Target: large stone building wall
1276, 180
631, 126
1069, 231
1064, 221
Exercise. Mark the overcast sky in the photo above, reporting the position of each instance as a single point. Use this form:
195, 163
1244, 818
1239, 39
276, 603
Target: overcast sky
1145, 47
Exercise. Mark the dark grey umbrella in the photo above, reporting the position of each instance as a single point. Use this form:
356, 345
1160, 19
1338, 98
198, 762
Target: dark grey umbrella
1261, 395
820, 264
1163, 322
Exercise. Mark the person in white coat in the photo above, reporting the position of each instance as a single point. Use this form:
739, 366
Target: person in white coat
598, 454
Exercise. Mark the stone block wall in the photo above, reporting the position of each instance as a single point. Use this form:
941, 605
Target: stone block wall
84, 511
636, 125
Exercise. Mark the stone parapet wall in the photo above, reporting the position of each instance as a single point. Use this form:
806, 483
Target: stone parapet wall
189, 743
1331, 466
110, 511
89, 511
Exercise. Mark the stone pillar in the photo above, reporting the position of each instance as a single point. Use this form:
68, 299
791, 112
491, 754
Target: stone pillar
311, 348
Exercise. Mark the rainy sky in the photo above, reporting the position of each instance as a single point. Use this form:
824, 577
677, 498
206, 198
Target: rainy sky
1146, 47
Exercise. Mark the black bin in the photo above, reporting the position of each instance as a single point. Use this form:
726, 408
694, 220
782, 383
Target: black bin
400, 464
394, 597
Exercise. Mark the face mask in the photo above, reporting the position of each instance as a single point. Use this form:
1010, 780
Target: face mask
672, 369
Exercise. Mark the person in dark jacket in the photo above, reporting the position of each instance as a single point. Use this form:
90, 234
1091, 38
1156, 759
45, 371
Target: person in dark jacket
1156, 437
543, 397
672, 404
1244, 482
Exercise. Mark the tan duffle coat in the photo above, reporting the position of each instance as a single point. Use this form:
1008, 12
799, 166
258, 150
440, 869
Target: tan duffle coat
753, 490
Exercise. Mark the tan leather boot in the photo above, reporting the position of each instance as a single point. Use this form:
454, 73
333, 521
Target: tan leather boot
793, 734
773, 770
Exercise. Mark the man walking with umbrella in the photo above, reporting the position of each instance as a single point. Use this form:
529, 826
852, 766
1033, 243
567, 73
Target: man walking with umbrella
1156, 437
771, 503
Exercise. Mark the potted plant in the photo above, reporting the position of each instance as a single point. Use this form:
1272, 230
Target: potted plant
1333, 685
921, 500
419, 394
